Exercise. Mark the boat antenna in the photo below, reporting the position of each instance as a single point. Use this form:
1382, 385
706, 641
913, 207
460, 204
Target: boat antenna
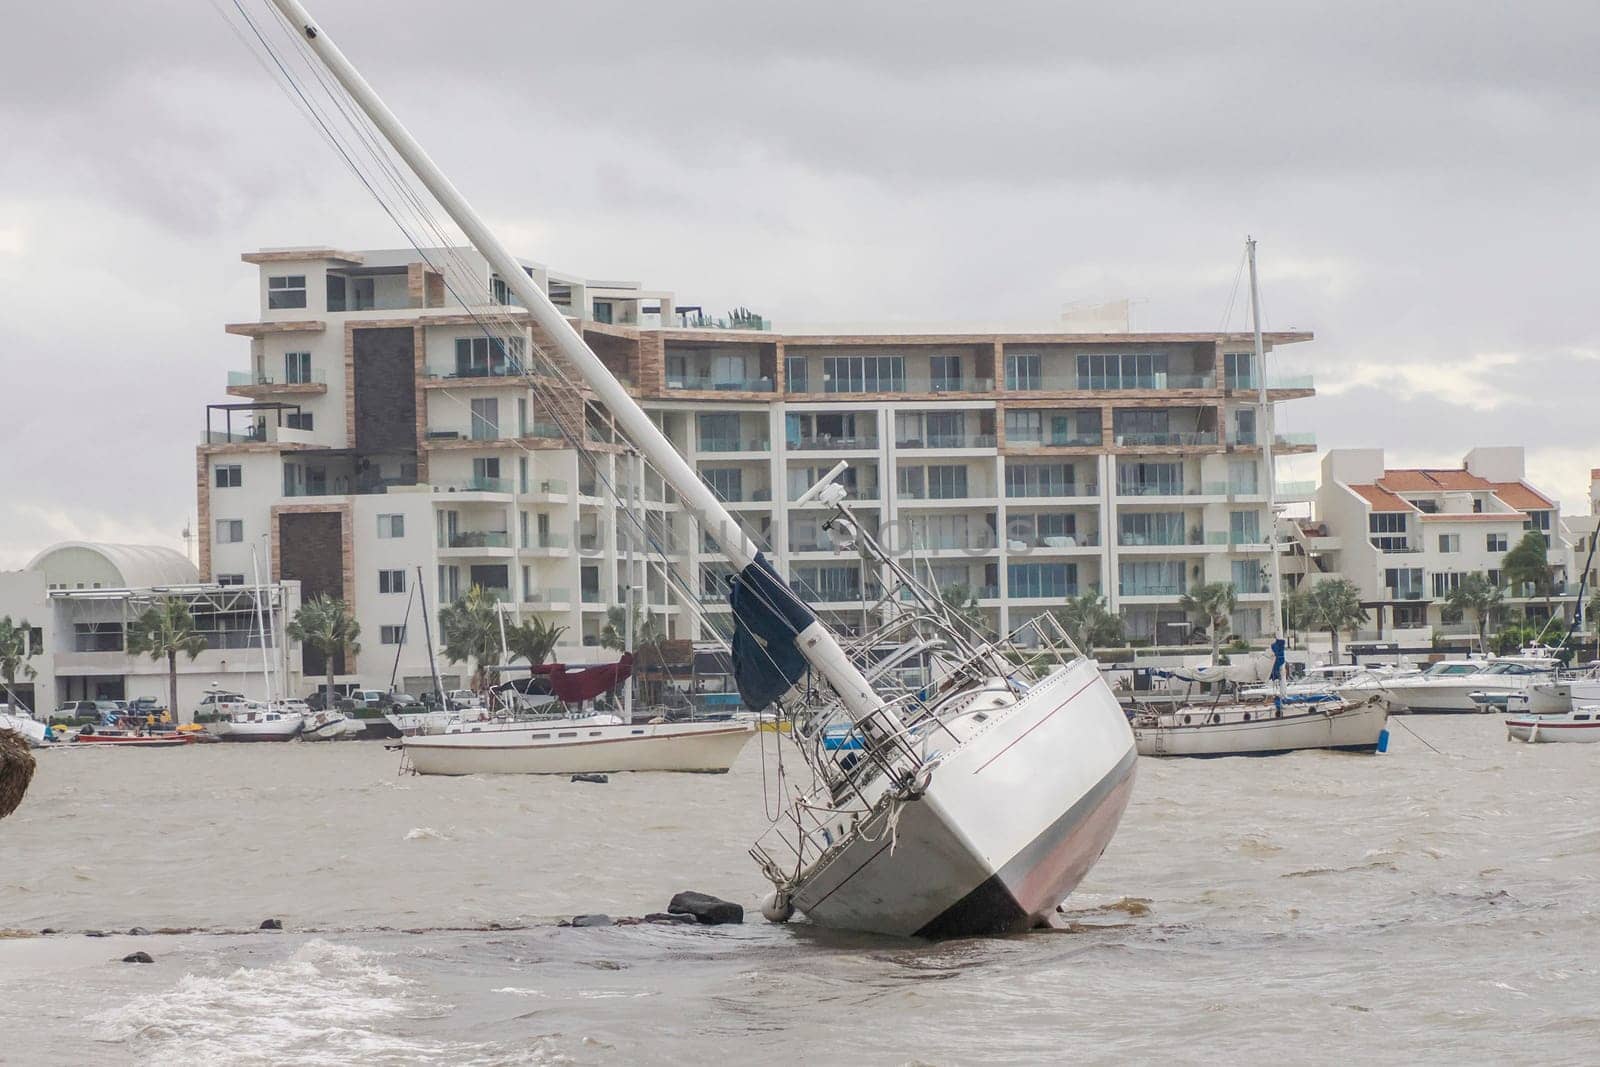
1275, 577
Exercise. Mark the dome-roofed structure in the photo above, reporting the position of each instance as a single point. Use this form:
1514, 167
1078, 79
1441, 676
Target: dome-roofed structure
92, 565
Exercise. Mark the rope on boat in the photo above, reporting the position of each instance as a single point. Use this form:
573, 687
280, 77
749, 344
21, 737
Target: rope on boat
1401, 722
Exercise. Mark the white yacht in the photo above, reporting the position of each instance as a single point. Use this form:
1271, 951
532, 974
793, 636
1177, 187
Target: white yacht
1559, 694
1452, 685
1327, 680
593, 744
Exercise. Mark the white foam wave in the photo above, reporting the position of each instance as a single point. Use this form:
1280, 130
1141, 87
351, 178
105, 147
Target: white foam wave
426, 833
326, 1004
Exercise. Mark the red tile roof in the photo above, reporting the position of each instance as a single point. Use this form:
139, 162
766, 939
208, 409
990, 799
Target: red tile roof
1521, 497
1431, 481
1380, 499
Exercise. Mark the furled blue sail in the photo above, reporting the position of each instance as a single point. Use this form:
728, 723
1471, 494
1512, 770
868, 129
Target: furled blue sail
1278, 647
767, 617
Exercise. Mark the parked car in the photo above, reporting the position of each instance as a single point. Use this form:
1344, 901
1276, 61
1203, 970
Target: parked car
368, 698
72, 709
462, 699
219, 702
403, 702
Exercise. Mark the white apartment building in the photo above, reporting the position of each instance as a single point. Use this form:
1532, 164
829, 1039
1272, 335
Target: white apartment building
1407, 536
395, 416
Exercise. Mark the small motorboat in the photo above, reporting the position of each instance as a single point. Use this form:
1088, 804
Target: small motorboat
20, 722
131, 738
1579, 726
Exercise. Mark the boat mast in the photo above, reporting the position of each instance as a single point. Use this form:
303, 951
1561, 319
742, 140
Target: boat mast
261, 624
427, 634
816, 643
1276, 574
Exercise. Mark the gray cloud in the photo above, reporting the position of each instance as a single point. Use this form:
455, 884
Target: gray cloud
1420, 176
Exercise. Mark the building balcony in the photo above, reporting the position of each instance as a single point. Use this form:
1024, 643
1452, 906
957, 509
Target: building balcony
1075, 383
1143, 589
591, 595
1297, 442
477, 539
475, 485
548, 599
1044, 546
1070, 440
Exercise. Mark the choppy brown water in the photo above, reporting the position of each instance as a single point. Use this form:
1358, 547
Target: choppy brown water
1412, 907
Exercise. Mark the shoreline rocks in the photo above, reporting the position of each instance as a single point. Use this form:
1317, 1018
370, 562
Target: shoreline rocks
706, 909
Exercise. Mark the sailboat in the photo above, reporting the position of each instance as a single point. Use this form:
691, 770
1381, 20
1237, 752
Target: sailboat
1282, 722
976, 803
269, 720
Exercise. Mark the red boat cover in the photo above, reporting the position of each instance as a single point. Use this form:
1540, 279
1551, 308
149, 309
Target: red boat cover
577, 684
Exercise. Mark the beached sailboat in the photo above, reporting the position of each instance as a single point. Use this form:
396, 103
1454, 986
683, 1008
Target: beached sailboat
975, 804
1281, 722
269, 720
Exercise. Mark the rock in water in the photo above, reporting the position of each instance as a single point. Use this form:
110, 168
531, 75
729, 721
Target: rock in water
668, 917
138, 957
599, 779
592, 920
706, 908
16, 770
271, 924
138, 931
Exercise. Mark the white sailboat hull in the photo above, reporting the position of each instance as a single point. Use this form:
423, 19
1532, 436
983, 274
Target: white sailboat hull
562, 748
31, 730
418, 723
1350, 729
1005, 830
283, 729
328, 726
1563, 730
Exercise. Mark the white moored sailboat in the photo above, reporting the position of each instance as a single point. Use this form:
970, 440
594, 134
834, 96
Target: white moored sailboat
974, 805
269, 720
1280, 722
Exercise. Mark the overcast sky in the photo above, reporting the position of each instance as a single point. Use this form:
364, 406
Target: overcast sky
1421, 177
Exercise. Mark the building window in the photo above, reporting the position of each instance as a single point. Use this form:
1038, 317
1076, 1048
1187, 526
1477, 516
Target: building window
1125, 370
1024, 427
1236, 370
1444, 582
796, 374
1497, 542
230, 579
1024, 371
230, 531
485, 419
392, 635
1403, 583
602, 311
1249, 576
1040, 479
391, 581
228, 477
486, 474
944, 374
488, 357
298, 420
1042, 579
297, 368
947, 483
1152, 578
726, 482
1450, 542
286, 291
391, 526
1151, 528
1244, 527
864, 374
1150, 479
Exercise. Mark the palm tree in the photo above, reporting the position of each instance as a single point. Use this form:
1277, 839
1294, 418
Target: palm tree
1089, 622
327, 625
1482, 598
165, 629
1335, 606
471, 629
614, 634
1210, 607
533, 640
15, 651
1528, 564
961, 604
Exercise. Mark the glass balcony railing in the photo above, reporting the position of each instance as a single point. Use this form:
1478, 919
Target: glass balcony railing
474, 485
1297, 488
1051, 490
1165, 440
814, 383
1075, 383
550, 540
735, 444
316, 377
827, 442
1060, 440
948, 440
592, 596
479, 539
547, 596
715, 384
1169, 589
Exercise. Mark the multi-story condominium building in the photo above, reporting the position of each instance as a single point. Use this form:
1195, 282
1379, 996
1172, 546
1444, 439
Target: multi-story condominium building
397, 413
1406, 537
